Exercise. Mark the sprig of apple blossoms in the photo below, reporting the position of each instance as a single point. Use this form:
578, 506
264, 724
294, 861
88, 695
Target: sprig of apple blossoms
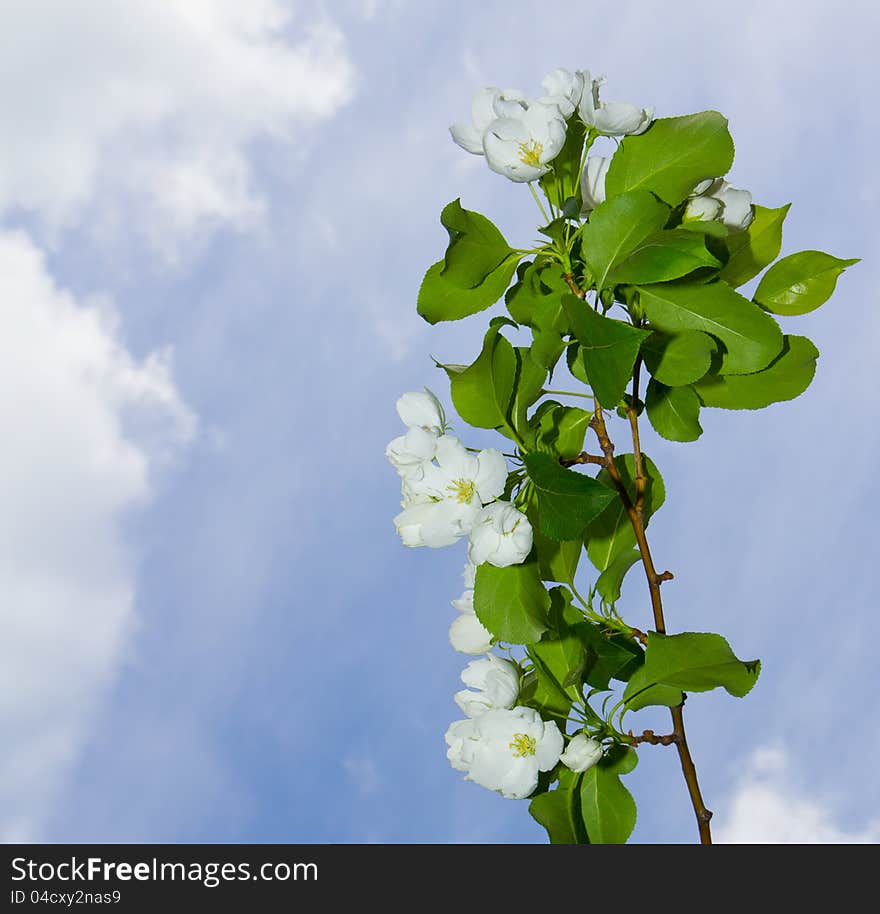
630, 305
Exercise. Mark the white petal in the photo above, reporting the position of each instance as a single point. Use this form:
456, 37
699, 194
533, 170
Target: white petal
421, 409
702, 209
593, 182
467, 136
549, 747
483, 107
737, 214
491, 475
467, 635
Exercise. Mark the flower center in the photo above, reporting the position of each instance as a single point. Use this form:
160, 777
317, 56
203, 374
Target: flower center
530, 153
522, 745
463, 490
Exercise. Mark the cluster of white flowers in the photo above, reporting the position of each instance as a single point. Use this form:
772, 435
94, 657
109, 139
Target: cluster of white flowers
450, 492
520, 137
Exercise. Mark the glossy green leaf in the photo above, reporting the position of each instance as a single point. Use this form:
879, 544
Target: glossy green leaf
557, 561
561, 429
535, 300
800, 283
785, 378
617, 227
674, 412
608, 809
473, 275
512, 603
608, 347
559, 810
751, 337
665, 255
441, 300
611, 579
576, 363
482, 392
607, 656
611, 534
567, 500
640, 692
560, 653
754, 249
476, 246
697, 662
681, 359
529, 383
672, 156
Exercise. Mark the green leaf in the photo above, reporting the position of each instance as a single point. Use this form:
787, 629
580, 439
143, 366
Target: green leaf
559, 811
557, 561
611, 533
547, 346
751, 337
567, 501
800, 283
512, 602
576, 363
678, 360
759, 245
640, 693
697, 662
615, 229
785, 378
608, 348
473, 275
561, 429
664, 255
482, 392
611, 579
607, 656
441, 300
536, 299
476, 247
674, 412
672, 156
530, 378
560, 654
608, 809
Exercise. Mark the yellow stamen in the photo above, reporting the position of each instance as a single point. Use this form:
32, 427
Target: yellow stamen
530, 153
463, 490
522, 745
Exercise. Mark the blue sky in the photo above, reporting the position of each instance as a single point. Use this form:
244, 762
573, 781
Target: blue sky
213, 224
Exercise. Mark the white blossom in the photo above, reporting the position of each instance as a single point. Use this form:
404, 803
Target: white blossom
717, 199
611, 118
423, 410
409, 453
501, 535
492, 683
563, 89
521, 147
470, 136
593, 182
467, 634
504, 750
443, 501
581, 753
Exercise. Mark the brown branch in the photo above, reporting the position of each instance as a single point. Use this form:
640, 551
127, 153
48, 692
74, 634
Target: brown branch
572, 284
583, 457
652, 739
633, 510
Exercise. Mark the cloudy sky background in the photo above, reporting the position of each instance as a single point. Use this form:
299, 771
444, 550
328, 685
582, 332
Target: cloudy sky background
214, 218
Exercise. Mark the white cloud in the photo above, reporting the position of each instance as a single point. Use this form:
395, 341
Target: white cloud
770, 807
145, 113
83, 425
